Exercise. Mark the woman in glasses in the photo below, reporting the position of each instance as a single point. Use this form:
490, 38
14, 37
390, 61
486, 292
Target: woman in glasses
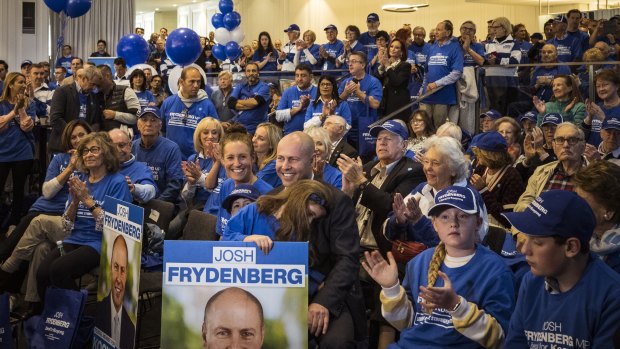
83, 217
326, 103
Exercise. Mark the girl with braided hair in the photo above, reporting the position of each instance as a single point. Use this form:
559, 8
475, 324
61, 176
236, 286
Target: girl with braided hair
458, 294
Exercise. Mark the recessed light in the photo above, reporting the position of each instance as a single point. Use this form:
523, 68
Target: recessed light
156, 8
174, 5
402, 7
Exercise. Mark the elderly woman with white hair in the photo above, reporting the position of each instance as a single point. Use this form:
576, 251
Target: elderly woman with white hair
444, 165
322, 148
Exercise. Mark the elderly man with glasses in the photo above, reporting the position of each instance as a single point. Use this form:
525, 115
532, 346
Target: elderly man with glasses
568, 145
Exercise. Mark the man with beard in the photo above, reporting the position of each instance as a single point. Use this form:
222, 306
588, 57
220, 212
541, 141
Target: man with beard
250, 99
295, 100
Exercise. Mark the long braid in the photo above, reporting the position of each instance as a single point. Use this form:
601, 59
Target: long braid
435, 264
433, 267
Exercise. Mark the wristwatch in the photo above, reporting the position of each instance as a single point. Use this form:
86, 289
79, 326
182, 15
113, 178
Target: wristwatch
94, 207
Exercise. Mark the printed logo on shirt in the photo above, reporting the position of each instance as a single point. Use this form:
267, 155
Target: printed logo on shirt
184, 120
438, 59
420, 57
84, 212
155, 170
551, 336
564, 50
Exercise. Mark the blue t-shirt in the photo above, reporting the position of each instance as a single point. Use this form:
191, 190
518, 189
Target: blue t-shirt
332, 176
223, 216
314, 51
544, 93
269, 175
271, 65
56, 204
485, 280
586, 316
342, 109
206, 164
84, 233
290, 99
179, 122
369, 42
164, 161
248, 221
569, 48
334, 50
371, 87
251, 118
468, 60
145, 97
595, 132
138, 172
15, 144
582, 38
441, 61
417, 54
524, 47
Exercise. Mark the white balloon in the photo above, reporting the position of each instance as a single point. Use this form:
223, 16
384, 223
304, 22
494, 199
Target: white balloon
237, 35
175, 75
222, 35
142, 67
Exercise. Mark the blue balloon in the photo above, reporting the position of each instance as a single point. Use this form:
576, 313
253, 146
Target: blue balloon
219, 52
232, 20
218, 20
226, 6
133, 48
233, 51
183, 46
56, 5
77, 8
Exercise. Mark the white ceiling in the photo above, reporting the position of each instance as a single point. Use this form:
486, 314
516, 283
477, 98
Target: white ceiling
163, 5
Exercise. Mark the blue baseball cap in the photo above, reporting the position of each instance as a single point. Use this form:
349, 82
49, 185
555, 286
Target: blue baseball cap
491, 141
26, 62
454, 196
560, 18
291, 28
555, 212
331, 26
611, 122
530, 115
391, 126
372, 17
492, 113
552, 118
247, 191
150, 110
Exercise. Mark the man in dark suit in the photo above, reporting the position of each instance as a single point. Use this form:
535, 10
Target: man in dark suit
112, 318
336, 317
372, 187
73, 101
336, 126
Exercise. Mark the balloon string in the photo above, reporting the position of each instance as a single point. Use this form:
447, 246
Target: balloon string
60, 42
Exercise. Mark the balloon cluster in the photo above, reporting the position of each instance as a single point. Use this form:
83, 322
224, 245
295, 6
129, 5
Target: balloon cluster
73, 8
228, 34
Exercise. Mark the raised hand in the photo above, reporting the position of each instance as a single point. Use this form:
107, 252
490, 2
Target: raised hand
383, 272
439, 297
539, 105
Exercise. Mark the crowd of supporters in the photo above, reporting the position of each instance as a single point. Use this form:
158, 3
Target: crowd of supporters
507, 177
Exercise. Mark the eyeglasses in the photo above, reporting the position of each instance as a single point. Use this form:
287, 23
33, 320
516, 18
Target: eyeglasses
570, 140
93, 150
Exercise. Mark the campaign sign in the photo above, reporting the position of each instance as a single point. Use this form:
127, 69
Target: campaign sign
231, 295
119, 276
5, 325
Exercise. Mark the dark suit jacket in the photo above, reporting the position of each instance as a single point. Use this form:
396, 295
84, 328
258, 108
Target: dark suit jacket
66, 107
343, 147
396, 90
336, 242
103, 321
403, 178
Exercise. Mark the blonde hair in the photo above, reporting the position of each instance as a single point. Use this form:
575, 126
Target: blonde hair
202, 125
505, 23
8, 82
225, 72
311, 34
274, 135
433, 267
322, 135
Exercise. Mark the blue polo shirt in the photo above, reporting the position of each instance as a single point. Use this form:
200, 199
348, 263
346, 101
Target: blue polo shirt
290, 99
371, 87
334, 50
251, 118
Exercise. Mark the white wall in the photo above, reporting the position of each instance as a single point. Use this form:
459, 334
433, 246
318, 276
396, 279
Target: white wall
146, 21
275, 15
197, 16
15, 46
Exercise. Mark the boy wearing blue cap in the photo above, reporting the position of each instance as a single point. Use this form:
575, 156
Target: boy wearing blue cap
570, 298
457, 295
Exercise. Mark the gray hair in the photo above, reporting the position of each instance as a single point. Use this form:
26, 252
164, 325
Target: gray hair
89, 73
322, 135
450, 129
450, 149
574, 127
